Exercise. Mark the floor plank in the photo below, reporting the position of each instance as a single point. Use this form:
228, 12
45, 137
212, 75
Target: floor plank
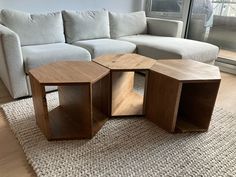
12, 159
227, 93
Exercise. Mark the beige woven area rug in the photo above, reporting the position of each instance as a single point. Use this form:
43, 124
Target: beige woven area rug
127, 147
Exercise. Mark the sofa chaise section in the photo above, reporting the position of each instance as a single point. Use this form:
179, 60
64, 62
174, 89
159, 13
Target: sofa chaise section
160, 47
159, 39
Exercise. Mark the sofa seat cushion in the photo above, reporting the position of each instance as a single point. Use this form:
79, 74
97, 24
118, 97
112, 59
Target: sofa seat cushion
35, 29
159, 47
38, 55
100, 47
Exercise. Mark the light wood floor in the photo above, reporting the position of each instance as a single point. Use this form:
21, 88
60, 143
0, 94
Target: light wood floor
13, 161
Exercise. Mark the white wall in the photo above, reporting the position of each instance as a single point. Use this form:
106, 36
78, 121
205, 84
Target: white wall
41, 6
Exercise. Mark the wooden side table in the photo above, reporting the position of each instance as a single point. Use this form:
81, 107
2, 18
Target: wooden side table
124, 100
181, 94
83, 89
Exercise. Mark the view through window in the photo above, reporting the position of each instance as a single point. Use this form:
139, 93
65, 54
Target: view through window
214, 21
167, 6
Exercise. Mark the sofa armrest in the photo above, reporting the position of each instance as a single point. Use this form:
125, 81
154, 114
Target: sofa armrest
11, 63
163, 27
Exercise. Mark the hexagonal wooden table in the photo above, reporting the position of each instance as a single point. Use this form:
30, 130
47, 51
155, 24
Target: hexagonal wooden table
83, 89
181, 94
124, 100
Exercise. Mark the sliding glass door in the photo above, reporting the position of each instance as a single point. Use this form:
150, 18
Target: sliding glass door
214, 21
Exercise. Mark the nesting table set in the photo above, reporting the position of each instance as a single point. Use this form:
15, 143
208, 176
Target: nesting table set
179, 95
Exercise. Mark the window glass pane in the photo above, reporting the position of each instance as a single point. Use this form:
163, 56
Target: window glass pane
224, 7
167, 5
214, 21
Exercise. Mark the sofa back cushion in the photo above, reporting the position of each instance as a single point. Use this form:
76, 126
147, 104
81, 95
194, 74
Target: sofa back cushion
86, 25
125, 24
35, 29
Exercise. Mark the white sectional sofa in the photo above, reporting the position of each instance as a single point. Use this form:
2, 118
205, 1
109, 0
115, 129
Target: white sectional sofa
28, 41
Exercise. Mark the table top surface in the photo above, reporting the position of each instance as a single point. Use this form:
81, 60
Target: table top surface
69, 72
183, 70
187, 70
125, 62
66, 72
